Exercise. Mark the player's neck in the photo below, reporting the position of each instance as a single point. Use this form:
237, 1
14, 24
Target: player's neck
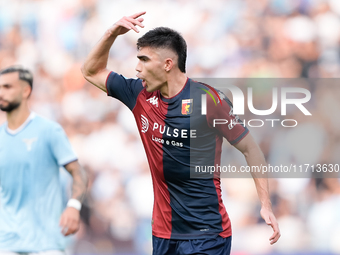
18, 116
174, 85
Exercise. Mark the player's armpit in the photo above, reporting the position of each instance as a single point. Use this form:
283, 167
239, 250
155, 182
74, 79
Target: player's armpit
80, 180
98, 79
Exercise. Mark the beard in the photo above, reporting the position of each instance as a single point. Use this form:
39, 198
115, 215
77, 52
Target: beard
10, 107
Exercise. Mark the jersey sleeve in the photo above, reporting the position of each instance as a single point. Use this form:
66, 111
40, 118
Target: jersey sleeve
61, 146
124, 89
221, 118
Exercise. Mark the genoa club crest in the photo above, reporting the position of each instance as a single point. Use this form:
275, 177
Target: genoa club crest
187, 105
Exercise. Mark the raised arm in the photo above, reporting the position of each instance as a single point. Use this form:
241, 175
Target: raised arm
94, 68
254, 157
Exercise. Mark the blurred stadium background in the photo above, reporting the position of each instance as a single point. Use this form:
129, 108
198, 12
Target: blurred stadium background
226, 38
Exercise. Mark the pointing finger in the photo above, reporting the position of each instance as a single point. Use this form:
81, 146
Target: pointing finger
138, 14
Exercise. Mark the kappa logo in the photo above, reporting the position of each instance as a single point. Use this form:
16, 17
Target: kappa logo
145, 123
231, 112
29, 143
153, 100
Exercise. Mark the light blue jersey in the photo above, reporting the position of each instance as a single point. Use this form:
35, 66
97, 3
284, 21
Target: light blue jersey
30, 194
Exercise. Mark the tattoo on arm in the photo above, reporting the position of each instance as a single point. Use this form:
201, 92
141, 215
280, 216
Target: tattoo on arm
80, 180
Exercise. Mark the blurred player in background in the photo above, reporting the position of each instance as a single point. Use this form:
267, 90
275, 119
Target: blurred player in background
188, 215
32, 149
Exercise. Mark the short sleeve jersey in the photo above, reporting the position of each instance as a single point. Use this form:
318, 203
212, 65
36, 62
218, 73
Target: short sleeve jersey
178, 134
31, 197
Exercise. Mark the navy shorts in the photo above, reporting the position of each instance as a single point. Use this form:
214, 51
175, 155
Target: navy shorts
212, 246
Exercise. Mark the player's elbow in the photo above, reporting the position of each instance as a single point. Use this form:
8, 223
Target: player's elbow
92, 75
85, 71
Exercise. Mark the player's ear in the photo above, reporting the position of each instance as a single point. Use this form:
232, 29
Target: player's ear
169, 63
27, 91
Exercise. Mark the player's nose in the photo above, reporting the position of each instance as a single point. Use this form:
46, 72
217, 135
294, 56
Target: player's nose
139, 67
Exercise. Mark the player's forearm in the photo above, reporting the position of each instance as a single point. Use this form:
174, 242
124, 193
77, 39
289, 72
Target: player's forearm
97, 59
80, 180
79, 185
263, 191
254, 157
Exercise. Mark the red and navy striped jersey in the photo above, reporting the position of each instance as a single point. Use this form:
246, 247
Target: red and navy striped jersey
178, 135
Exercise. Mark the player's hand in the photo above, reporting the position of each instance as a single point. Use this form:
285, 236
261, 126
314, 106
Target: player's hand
69, 221
270, 219
125, 24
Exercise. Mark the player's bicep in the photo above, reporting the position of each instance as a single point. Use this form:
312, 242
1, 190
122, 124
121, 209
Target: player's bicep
246, 145
99, 79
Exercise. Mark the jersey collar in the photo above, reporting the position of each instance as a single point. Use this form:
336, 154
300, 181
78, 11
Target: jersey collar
23, 125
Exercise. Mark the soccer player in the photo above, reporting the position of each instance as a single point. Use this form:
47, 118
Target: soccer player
178, 132
32, 149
